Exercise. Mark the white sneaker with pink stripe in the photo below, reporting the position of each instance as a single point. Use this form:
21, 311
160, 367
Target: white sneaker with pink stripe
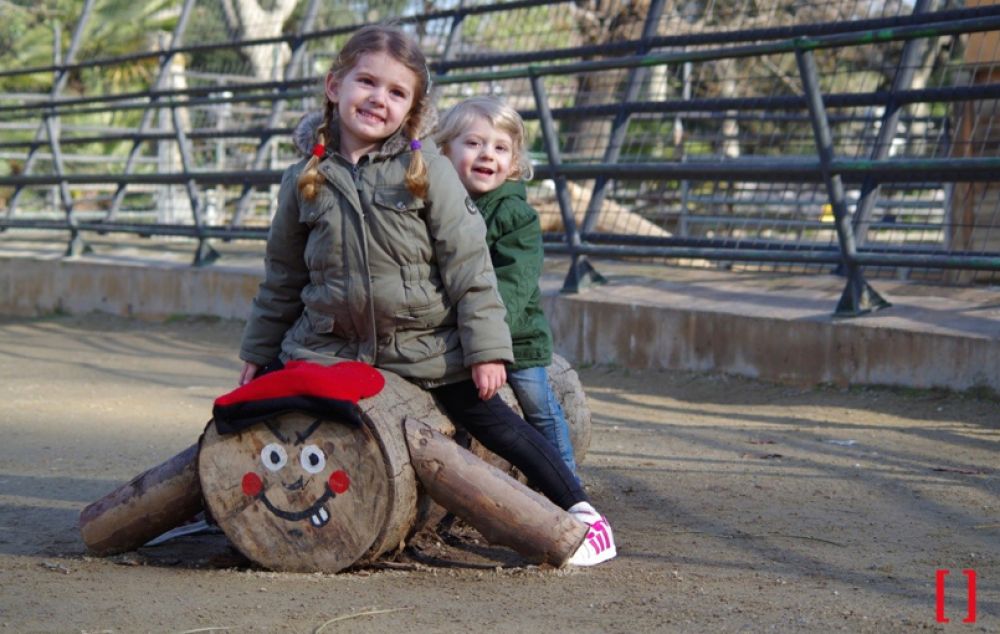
599, 544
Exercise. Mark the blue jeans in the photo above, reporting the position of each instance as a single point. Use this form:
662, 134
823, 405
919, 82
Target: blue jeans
542, 410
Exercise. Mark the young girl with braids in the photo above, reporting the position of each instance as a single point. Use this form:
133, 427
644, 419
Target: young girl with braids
377, 254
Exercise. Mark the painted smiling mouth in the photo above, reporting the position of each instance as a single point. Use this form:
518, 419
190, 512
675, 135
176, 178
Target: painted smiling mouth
317, 513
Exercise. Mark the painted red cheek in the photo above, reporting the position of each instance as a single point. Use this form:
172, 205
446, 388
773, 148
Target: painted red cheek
252, 484
339, 481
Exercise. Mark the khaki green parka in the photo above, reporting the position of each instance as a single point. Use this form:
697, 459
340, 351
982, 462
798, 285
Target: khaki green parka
369, 272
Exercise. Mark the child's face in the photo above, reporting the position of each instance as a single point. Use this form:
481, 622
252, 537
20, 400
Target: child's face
482, 155
373, 99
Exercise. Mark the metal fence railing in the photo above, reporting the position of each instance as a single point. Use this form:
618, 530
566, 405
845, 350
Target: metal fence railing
849, 136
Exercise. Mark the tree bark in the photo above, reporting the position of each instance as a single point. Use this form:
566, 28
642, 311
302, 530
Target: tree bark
502, 509
258, 23
152, 503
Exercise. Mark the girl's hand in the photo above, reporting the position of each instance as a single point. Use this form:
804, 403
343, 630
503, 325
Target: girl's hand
248, 373
489, 377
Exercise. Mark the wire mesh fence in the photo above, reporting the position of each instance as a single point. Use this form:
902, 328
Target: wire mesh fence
685, 131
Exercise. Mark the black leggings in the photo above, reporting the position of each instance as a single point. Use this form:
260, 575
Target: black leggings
502, 431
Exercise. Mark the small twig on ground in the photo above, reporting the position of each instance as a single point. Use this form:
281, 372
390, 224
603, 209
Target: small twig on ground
352, 616
206, 629
397, 565
986, 526
814, 539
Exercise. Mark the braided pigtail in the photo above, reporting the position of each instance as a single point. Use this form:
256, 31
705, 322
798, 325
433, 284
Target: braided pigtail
416, 172
310, 180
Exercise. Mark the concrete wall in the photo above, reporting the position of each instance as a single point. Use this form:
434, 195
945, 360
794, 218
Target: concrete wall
145, 290
699, 322
605, 327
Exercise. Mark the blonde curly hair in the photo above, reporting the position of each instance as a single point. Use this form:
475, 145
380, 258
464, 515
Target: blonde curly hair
499, 115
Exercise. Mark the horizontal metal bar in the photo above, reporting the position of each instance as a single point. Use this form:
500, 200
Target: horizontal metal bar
990, 22
768, 105
756, 169
143, 229
249, 133
262, 91
689, 248
761, 223
251, 178
608, 49
864, 258
853, 38
291, 39
787, 170
629, 242
714, 38
695, 108
763, 244
890, 203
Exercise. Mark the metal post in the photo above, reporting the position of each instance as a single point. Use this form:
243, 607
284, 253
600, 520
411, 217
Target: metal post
858, 297
580, 271
204, 253
76, 245
682, 222
150, 110
62, 76
449, 45
619, 126
913, 50
277, 109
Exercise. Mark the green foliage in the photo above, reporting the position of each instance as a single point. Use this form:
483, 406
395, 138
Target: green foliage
116, 27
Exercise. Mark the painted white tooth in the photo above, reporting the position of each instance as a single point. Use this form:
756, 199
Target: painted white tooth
316, 521
324, 515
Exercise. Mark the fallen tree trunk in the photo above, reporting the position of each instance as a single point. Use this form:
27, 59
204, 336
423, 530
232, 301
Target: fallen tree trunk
502, 509
152, 503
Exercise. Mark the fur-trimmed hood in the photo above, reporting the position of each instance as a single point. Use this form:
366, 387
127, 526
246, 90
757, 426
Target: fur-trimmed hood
304, 136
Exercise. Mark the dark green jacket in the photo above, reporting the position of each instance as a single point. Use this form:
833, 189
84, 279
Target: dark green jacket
514, 236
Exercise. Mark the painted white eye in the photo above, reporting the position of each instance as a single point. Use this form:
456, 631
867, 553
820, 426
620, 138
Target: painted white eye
312, 458
273, 456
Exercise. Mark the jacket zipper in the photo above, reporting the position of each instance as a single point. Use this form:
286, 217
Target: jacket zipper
356, 175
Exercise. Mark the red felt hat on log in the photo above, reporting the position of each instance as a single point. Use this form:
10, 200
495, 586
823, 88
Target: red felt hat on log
325, 391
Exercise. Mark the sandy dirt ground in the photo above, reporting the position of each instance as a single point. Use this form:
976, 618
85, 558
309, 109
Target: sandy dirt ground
738, 506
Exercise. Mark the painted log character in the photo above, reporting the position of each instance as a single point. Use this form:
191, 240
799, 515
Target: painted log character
297, 492
307, 480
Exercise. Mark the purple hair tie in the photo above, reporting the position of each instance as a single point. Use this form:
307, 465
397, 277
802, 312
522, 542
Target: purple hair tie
415, 145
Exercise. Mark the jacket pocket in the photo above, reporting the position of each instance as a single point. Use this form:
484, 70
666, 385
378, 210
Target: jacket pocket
398, 199
310, 210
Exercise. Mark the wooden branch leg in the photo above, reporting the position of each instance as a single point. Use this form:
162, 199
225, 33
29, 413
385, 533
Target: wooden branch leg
501, 508
151, 504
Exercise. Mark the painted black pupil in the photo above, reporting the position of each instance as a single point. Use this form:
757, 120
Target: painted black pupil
313, 459
275, 458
